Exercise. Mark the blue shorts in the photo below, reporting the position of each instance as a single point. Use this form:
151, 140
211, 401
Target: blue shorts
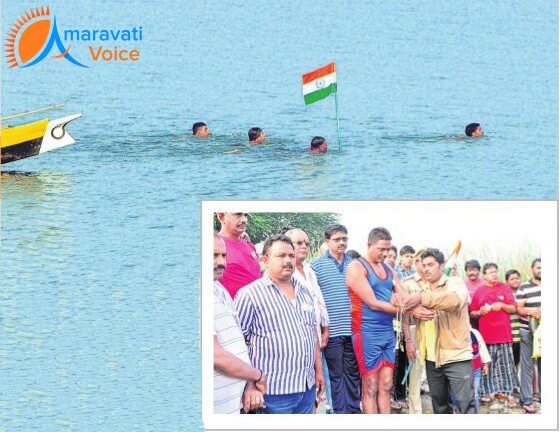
374, 350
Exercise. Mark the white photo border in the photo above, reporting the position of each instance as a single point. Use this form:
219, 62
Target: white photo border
545, 222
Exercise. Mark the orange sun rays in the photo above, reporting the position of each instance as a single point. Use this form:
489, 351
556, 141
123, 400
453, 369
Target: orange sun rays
32, 42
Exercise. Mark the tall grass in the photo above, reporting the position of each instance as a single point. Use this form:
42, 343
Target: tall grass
515, 256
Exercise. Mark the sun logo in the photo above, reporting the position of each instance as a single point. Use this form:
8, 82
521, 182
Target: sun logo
32, 37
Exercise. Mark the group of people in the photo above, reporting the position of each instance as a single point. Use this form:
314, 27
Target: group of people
364, 328
257, 136
318, 144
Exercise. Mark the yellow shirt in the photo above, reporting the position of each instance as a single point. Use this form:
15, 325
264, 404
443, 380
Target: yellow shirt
429, 340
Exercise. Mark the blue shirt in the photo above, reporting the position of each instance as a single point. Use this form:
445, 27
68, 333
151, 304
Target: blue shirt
402, 273
280, 333
332, 280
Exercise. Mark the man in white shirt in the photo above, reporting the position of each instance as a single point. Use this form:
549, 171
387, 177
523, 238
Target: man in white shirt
305, 274
234, 376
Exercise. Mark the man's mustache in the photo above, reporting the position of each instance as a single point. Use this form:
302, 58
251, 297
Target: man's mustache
220, 267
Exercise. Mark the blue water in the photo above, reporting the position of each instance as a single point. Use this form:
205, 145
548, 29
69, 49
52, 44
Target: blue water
99, 296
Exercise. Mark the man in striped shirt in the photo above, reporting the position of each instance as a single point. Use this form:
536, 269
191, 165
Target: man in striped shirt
513, 279
277, 318
529, 309
344, 374
232, 371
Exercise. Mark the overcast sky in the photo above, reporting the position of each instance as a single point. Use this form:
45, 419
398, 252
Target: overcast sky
499, 226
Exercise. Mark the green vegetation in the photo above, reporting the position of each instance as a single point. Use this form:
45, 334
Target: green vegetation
519, 257
261, 225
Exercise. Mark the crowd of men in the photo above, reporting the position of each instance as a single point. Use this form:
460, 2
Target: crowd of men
365, 329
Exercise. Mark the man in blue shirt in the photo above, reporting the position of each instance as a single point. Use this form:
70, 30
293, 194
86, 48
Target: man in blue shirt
330, 269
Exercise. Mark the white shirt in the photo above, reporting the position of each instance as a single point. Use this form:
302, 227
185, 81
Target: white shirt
228, 390
311, 283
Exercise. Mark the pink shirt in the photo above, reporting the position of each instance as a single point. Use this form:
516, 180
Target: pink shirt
495, 326
242, 265
473, 287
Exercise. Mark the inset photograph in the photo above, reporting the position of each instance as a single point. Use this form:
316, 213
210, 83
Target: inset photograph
376, 308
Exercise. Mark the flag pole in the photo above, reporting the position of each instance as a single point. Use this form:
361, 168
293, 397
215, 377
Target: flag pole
337, 119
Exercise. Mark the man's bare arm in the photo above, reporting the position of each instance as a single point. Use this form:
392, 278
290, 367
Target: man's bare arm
228, 364
358, 283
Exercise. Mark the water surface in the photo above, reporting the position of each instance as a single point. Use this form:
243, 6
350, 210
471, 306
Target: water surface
100, 241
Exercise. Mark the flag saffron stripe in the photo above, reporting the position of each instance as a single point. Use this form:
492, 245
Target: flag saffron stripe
325, 70
319, 94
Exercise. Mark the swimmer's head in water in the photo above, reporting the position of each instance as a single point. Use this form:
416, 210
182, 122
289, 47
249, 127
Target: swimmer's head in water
256, 135
474, 130
200, 130
318, 144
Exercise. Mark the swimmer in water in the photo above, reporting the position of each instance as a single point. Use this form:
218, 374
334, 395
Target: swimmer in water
474, 130
200, 130
318, 145
256, 135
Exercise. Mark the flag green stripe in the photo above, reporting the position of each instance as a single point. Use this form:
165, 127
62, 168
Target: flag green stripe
319, 94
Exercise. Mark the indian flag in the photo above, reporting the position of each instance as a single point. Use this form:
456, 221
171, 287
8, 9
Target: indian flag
452, 259
319, 83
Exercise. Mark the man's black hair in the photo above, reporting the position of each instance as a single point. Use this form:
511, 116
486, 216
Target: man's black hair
353, 254
435, 254
406, 249
394, 249
472, 264
196, 126
254, 133
335, 228
509, 273
377, 234
489, 265
536, 260
317, 142
471, 127
270, 240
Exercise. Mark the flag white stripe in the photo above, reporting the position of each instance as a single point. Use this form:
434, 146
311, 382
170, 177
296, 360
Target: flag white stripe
312, 86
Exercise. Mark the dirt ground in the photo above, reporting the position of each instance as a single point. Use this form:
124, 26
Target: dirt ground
496, 407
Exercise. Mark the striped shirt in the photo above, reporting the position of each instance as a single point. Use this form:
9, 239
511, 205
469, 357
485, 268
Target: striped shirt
227, 390
403, 273
529, 293
332, 279
515, 323
280, 333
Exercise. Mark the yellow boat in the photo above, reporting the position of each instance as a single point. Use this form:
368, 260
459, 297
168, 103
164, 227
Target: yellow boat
32, 139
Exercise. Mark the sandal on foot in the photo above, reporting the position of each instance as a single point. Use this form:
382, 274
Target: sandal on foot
529, 409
